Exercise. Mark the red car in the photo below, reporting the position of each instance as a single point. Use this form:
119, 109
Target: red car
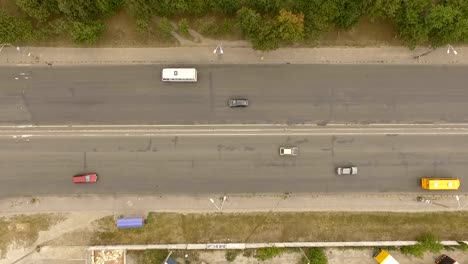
85, 178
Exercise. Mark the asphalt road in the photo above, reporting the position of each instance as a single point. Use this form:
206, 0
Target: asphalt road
185, 164
317, 94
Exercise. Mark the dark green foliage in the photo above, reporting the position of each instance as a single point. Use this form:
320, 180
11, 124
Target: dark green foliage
86, 10
319, 16
141, 9
411, 24
382, 8
14, 29
267, 23
78, 9
228, 7
108, 7
249, 21
167, 8
446, 24
350, 11
86, 33
271, 7
38, 9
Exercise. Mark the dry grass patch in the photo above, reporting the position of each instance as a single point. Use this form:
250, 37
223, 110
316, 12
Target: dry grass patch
274, 227
23, 230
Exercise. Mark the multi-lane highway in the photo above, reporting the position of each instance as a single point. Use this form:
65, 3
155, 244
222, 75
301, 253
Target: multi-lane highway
134, 159
317, 94
229, 159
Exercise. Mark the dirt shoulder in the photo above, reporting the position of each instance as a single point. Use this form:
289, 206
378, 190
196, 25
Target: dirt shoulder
231, 55
241, 203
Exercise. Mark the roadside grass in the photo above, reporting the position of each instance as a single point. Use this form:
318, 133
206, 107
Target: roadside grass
23, 230
123, 31
217, 27
149, 256
284, 227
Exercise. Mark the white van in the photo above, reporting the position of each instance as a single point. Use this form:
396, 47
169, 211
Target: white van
179, 75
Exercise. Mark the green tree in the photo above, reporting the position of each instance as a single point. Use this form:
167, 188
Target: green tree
78, 9
86, 33
446, 25
319, 15
267, 37
290, 26
249, 21
382, 8
38, 9
228, 7
410, 22
167, 8
350, 11
14, 29
271, 7
141, 9
108, 6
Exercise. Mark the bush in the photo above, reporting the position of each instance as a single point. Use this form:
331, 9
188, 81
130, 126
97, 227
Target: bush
426, 242
267, 37
140, 9
231, 254
290, 26
142, 26
317, 256
228, 7
183, 27
59, 26
249, 22
14, 29
350, 11
40, 10
271, 7
268, 253
319, 16
165, 28
410, 22
86, 33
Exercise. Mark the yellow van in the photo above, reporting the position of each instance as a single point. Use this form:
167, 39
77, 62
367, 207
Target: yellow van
440, 183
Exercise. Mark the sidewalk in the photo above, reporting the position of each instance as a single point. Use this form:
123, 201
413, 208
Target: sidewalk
140, 205
232, 55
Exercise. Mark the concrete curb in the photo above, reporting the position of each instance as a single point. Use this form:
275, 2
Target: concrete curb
265, 245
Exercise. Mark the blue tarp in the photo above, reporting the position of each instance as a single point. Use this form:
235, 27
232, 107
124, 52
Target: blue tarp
130, 222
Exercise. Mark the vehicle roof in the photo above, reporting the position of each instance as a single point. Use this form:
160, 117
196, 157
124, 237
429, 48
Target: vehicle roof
184, 73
